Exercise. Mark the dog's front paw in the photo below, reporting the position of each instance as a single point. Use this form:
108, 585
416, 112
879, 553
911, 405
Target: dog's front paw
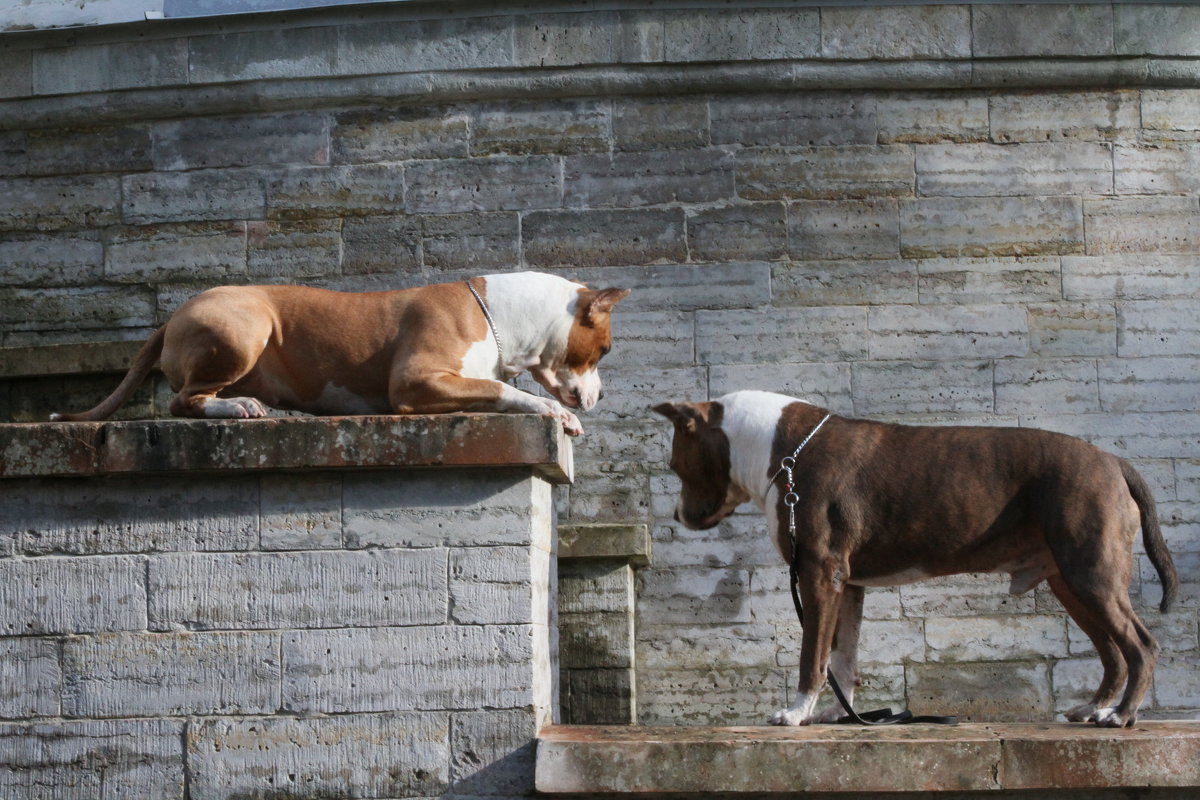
790, 716
1084, 712
569, 421
1109, 718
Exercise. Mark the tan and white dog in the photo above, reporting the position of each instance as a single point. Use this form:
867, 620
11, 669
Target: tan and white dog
432, 349
882, 505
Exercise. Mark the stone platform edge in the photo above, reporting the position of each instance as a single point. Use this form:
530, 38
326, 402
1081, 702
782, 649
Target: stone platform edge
86, 449
702, 761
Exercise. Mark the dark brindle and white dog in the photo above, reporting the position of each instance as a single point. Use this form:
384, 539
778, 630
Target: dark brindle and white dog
883, 505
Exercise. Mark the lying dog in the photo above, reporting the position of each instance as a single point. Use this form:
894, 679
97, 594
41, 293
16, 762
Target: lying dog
433, 349
882, 505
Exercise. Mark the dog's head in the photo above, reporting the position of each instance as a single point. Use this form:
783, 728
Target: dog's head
700, 457
572, 376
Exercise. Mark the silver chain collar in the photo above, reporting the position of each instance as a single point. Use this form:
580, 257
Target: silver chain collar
786, 465
491, 324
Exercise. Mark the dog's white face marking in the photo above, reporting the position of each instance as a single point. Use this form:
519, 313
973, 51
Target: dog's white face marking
751, 419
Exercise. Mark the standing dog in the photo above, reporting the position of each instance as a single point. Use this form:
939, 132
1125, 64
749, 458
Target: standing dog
433, 349
883, 505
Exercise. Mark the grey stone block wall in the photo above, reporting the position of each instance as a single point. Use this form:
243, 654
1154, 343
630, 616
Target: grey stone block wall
980, 213
247, 635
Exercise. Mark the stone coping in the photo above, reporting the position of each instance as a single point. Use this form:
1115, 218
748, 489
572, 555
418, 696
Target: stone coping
629, 543
87, 449
698, 761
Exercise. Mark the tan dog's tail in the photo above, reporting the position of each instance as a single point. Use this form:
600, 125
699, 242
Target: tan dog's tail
143, 362
1152, 536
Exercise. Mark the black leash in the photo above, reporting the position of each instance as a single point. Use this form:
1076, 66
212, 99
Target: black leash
879, 716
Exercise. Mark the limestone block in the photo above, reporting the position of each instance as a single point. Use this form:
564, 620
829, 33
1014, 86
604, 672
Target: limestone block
947, 332
1042, 30
56, 203
827, 385
802, 119
104, 67
667, 647
262, 55
608, 491
734, 35
991, 691
738, 232
1188, 566
16, 74
1176, 684
639, 36
1163, 169
420, 45
597, 639
631, 392
114, 148
496, 585
297, 590
1148, 384
922, 387
1046, 386
30, 679
72, 595
930, 117
399, 134
781, 335
1088, 116
594, 585
385, 243
474, 665
659, 123
603, 237
212, 251
346, 755
982, 280
124, 515
1137, 224
630, 180
881, 642
1150, 328
492, 752
599, 697
624, 441
1144, 276
218, 194
712, 696
552, 126
300, 511
358, 190
955, 639
1156, 30
741, 540
844, 229
991, 226
1163, 435
989, 170
417, 510
200, 143
846, 282
137, 674
685, 287
499, 183
50, 259
470, 241
833, 173
658, 339
294, 250
693, 595
1171, 114
963, 596
1073, 329
93, 760
560, 40
896, 32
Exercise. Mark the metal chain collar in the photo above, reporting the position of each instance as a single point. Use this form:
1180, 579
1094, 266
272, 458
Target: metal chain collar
786, 465
491, 324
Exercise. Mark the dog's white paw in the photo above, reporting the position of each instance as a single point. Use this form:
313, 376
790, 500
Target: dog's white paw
1109, 718
234, 408
1084, 712
791, 716
569, 421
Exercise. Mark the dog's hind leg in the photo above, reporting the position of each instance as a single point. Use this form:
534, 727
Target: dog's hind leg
1115, 671
203, 361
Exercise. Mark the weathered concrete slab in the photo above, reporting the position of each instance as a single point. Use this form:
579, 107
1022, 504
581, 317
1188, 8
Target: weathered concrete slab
57, 449
827, 758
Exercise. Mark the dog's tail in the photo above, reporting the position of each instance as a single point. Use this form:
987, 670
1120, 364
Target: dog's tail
1152, 536
143, 362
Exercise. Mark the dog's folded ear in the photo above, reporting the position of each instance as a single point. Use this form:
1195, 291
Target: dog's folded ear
684, 415
599, 303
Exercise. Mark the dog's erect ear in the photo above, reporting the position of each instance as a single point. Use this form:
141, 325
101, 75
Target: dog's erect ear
599, 304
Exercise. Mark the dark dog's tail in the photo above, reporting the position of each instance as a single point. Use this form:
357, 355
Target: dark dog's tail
1152, 536
143, 362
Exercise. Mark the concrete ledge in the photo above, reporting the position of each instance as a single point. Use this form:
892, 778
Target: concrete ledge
84, 358
79, 449
630, 543
824, 758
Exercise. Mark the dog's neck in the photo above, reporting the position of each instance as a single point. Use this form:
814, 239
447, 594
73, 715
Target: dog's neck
529, 330
750, 422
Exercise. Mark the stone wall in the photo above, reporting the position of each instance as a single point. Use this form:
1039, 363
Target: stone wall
970, 213
186, 616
